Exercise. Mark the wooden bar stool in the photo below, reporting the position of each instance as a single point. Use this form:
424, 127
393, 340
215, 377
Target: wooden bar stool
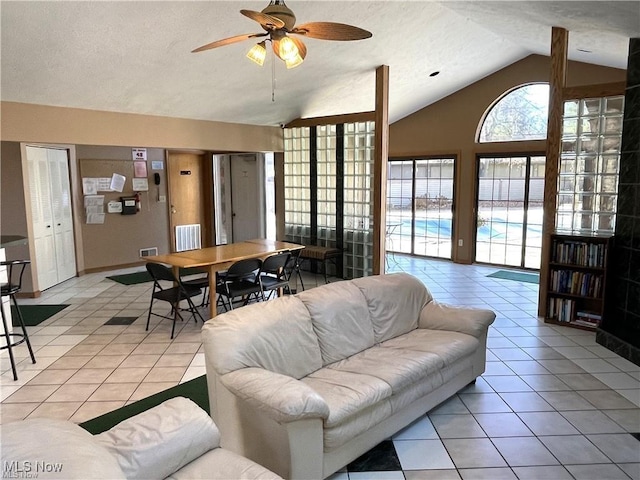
10, 289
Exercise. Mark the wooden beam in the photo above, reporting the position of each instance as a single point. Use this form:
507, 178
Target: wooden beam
332, 120
381, 158
594, 91
557, 83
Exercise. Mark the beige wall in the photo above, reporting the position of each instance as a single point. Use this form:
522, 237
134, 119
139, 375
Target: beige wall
95, 135
450, 125
23, 122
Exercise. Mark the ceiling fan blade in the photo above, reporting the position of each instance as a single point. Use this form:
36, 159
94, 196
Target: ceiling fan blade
267, 21
331, 31
228, 41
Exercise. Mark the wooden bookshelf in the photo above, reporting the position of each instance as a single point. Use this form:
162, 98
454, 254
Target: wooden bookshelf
577, 279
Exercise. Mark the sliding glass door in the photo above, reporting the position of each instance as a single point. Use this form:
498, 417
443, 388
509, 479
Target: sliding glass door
420, 206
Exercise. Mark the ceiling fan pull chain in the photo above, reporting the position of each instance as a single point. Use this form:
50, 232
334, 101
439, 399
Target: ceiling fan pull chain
273, 78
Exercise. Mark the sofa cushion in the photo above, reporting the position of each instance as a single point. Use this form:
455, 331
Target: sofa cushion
396, 367
276, 335
336, 436
161, 440
395, 302
221, 464
449, 346
346, 393
62, 448
340, 319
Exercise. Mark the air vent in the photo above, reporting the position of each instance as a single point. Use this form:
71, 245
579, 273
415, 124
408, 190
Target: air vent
148, 252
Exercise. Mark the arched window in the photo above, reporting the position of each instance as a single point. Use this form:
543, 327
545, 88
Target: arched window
520, 114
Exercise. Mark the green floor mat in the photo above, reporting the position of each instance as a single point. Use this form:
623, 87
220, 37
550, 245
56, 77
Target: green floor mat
142, 277
131, 278
35, 314
195, 390
519, 276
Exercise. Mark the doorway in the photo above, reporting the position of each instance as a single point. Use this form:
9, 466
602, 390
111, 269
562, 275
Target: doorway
509, 208
189, 181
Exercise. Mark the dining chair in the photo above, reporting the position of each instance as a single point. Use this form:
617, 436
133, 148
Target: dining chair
273, 275
201, 281
293, 268
242, 279
173, 295
15, 271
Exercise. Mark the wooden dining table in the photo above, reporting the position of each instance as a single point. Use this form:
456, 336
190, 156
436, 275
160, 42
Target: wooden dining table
220, 258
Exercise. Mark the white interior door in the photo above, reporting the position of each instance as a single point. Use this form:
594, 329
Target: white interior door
51, 216
62, 215
247, 197
42, 217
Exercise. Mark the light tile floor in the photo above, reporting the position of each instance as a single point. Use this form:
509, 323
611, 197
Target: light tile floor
551, 404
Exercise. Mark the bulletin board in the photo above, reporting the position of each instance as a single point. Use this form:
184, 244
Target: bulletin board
100, 171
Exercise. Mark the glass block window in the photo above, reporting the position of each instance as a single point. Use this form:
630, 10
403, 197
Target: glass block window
297, 194
358, 199
519, 115
329, 192
326, 185
589, 165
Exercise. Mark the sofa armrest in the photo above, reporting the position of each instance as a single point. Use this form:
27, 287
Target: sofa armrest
440, 316
282, 398
161, 440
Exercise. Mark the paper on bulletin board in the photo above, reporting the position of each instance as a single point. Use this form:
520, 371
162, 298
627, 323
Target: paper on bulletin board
93, 201
95, 218
140, 170
157, 165
139, 153
104, 184
117, 182
89, 186
140, 185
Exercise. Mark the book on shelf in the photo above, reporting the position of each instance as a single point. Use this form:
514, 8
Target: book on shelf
572, 282
581, 253
586, 323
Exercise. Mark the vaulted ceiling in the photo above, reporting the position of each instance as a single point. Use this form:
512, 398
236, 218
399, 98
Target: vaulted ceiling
135, 56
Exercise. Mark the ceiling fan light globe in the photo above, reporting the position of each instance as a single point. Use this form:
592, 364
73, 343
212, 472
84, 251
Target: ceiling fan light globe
257, 53
295, 62
288, 51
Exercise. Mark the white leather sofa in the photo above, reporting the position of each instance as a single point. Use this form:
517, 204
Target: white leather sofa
175, 440
305, 384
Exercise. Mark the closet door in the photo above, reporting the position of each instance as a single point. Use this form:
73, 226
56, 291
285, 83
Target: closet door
61, 213
42, 218
50, 195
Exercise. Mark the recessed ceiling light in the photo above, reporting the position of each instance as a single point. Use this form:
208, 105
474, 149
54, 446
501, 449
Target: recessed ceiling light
433, 74
583, 50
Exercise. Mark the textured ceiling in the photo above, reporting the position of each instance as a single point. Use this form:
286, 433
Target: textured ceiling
134, 56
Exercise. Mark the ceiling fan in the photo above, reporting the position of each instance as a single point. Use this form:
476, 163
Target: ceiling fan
278, 21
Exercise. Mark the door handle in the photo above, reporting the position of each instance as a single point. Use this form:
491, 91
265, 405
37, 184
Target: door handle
173, 209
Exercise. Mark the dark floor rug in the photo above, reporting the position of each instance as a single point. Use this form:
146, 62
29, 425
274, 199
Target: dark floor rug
35, 314
132, 278
195, 390
519, 276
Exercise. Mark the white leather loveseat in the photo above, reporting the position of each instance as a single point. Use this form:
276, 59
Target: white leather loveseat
305, 384
174, 440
